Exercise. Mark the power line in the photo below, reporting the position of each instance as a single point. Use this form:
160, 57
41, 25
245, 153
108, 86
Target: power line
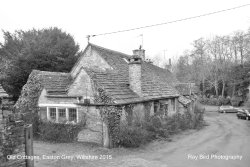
169, 22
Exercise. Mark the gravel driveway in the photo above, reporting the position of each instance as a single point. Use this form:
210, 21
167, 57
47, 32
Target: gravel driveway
225, 142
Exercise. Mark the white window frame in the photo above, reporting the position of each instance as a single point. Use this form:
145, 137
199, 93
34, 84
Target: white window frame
57, 113
58, 108
76, 113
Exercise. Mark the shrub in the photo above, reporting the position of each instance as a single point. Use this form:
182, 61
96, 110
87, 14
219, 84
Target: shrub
215, 101
159, 128
133, 136
235, 101
59, 132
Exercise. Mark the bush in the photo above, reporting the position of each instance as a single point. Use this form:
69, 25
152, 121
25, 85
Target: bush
235, 101
159, 128
133, 136
215, 101
59, 132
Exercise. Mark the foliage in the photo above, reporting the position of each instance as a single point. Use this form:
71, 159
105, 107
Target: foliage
110, 114
28, 100
47, 49
220, 65
235, 101
59, 132
133, 136
215, 101
160, 128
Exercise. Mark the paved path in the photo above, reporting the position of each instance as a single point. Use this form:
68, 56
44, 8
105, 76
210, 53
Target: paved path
225, 137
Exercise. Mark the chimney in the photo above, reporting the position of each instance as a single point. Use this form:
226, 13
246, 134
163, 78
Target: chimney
135, 75
140, 52
169, 66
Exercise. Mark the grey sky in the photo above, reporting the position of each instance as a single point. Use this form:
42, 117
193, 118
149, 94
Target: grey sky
82, 17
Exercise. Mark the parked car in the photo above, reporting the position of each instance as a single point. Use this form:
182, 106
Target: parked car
243, 114
227, 109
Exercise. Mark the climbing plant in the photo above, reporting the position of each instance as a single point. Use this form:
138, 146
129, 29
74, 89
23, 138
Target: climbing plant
28, 100
30, 93
110, 114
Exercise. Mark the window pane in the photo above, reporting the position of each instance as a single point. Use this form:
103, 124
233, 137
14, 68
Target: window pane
166, 109
52, 113
72, 114
173, 104
62, 112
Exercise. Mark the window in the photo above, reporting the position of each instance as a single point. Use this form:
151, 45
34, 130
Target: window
166, 109
72, 114
156, 105
52, 113
62, 112
173, 104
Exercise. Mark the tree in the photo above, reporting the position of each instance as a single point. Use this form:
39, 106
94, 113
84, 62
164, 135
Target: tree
47, 49
200, 61
183, 71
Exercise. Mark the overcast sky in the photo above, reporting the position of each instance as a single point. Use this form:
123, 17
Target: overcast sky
83, 17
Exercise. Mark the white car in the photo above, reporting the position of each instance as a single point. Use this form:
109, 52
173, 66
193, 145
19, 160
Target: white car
227, 109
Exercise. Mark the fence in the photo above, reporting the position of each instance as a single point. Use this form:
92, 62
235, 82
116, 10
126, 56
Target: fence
16, 142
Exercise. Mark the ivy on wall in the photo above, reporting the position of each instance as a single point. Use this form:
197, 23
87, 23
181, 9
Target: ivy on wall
30, 94
147, 106
129, 112
111, 115
28, 100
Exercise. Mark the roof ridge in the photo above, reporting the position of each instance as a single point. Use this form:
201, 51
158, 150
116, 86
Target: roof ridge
50, 72
110, 50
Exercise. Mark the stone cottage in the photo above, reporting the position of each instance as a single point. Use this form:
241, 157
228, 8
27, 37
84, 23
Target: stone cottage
127, 81
189, 92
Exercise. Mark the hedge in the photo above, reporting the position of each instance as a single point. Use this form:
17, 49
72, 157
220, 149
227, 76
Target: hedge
218, 101
159, 128
59, 132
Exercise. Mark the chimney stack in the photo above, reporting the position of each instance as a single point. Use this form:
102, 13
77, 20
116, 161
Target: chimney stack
169, 66
135, 76
140, 52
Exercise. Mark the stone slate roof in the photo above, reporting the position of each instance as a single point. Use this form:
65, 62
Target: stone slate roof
3, 92
54, 82
156, 82
115, 85
184, 100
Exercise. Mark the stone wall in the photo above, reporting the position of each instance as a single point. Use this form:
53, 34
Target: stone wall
95, 129
82, 86
92, 59
12, 141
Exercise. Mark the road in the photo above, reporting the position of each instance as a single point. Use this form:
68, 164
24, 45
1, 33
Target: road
224, 136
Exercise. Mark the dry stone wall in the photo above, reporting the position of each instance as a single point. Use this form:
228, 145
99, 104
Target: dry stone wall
12, 141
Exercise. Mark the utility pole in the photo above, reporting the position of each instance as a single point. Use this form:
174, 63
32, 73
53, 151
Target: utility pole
164, 54
88, 38
141, 35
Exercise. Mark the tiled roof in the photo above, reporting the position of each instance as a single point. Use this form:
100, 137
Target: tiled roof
2, 92
156, 82
183, 100
115, 86
55, 83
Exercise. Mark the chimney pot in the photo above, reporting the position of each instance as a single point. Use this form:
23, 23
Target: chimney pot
140, 52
